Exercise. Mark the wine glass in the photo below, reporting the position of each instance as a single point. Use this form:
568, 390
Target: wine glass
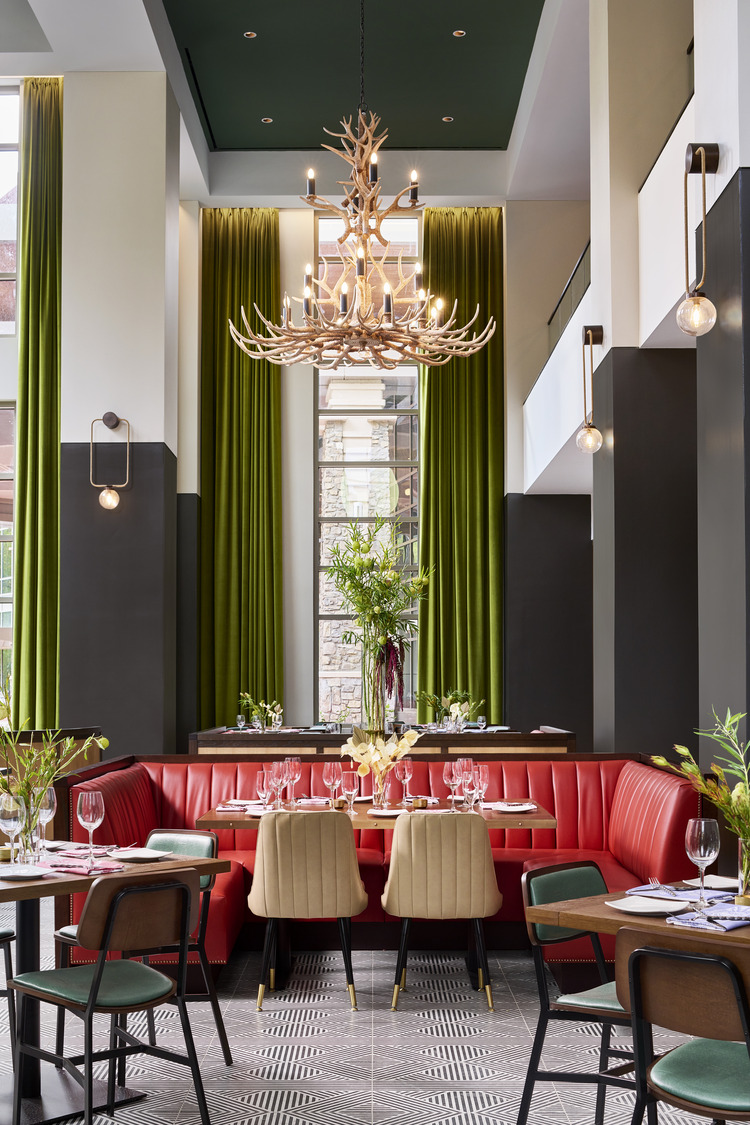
481, 781
45, 804
481, 721
350, 788
451, 777
332, 774
702, 847
12, 817
295, 773
404, 771
467, 777
263, 786
91, 815
277, 720
279, 778
240, 722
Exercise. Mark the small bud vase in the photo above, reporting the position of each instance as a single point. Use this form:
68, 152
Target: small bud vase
743, 864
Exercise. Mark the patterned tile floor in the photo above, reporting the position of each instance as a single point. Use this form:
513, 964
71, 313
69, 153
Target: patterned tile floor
307, 1059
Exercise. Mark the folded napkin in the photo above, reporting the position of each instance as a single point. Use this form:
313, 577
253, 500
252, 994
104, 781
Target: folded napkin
510, 806
419, 797
83, 850
99, 867
689, 895
386, 812
728, 917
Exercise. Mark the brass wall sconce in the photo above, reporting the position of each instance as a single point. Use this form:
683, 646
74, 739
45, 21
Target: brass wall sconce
588, 438
696, 315
108, 497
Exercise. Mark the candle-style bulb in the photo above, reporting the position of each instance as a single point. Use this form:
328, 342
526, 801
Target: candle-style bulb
387, 301
373, 168
418, 277
306, 302
360, 262
344, 299
311, 181
308, 276
414, 189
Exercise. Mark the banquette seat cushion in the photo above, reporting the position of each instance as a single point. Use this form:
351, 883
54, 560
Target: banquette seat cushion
624, 814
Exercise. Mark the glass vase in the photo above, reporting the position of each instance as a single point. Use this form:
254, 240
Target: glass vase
743, 864
378, 790
373, 693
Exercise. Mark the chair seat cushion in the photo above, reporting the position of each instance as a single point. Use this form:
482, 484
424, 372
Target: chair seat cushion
125, 984
68, 934
603, 998
7, 935
708, 1073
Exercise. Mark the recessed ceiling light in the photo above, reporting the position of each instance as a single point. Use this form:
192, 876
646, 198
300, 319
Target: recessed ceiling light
458, 34
266, 120
251, 34
447, 119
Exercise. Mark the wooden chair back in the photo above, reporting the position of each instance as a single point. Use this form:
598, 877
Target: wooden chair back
143, 920
693, 997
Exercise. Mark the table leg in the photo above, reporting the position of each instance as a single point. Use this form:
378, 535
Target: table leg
27, 961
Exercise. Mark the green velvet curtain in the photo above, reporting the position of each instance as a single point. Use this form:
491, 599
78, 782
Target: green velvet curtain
461, 468
36, 591
241, 639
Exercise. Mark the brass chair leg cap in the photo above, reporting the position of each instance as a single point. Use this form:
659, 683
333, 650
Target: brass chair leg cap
394, 1000
353, 997
402, 986
488, 991
480, 978
261, 991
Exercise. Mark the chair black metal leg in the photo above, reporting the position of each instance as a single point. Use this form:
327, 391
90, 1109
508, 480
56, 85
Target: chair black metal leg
403, 953
112, 1066
601, 1090
533, 1069
88, 1071
60, 1032
637, 1117
10, 996
483, 962
121, 1061
269, 944
345, 938
193, 1061
17, 1060
213, 1000
150, 1021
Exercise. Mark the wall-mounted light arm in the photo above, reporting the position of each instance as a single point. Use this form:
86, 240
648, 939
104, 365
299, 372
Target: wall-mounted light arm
109, 498
696, 315
588, 438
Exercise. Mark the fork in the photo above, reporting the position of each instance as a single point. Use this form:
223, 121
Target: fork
657, 886
709, 921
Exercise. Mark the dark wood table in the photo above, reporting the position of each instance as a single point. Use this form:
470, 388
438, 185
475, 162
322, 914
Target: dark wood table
250, 820
50, 1094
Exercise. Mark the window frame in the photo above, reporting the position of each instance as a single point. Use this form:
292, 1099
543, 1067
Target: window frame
11, 88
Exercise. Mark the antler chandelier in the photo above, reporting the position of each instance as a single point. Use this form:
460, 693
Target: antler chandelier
353, 315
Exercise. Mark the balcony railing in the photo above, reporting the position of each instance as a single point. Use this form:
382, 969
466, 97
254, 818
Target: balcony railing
577, 284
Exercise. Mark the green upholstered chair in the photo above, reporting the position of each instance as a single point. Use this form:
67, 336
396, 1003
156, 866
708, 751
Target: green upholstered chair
121, 912
183, 841
594, 1005
6, 937
698, 985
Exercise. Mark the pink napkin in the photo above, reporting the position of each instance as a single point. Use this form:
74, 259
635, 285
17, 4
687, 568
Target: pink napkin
82, 867
80, 852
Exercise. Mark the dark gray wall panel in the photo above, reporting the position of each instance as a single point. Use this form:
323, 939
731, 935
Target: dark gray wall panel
117, 599
188, 524
548, 614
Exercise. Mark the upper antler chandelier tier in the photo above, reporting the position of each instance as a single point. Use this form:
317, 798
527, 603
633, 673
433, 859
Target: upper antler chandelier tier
408, 326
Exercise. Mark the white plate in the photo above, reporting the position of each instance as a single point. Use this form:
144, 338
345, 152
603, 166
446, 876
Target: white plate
637, 905
22, 871
240, 803
512, 806
714, 883
362, 797
137, 855
386, 812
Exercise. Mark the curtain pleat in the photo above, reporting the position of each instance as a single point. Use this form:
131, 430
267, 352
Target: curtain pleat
36, 590
462, 467
241, 638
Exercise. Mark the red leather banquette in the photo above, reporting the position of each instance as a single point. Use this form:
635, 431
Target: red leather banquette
622, 812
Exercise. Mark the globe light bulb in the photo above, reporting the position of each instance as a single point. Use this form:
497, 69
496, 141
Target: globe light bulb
109, 498
588, 438
696, 315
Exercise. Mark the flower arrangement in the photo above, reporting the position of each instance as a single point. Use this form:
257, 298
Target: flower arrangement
732, 799
456, 703
368, 571
377, 756
267, 712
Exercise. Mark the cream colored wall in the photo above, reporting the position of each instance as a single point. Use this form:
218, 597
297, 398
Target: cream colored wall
188, 351
543, 241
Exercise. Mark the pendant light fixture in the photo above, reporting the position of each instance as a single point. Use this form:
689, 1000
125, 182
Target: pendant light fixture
696, 315
588, 438
355, 314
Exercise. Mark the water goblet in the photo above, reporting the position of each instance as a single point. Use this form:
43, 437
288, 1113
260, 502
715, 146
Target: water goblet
404, 771
257, 724
91, 815
332, 773
481, 781
702, 847
12, 817
350, 788
279, 778
466, 766
481, 721
295, 773
277, 720
263, 786
45, 805
240, 722
451, 777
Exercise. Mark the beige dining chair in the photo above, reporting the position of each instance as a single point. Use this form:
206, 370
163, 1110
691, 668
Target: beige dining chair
306, 867
441, 868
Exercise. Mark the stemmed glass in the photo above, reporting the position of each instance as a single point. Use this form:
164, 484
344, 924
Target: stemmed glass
404, 771
295, 773
240, 722
452, 777
332, 774
481, 721
263, 786
12, 817
91, 815
279, 779
481, 781
350, 788
45, 804
466, 766
702, 847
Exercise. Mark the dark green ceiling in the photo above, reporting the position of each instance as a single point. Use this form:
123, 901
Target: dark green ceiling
302, 69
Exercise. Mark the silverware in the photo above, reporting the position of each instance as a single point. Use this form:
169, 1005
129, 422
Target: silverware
657, 886
709, 921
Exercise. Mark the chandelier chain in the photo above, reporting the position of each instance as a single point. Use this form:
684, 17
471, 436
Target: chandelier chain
362, 103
